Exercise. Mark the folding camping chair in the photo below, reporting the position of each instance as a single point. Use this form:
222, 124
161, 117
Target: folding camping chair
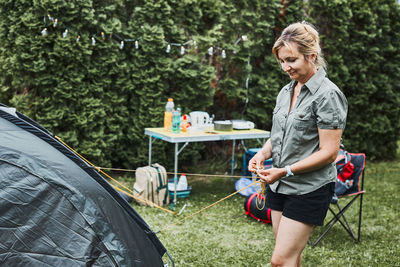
354, 192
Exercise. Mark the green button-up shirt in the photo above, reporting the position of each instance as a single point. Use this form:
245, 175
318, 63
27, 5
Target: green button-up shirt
294, 135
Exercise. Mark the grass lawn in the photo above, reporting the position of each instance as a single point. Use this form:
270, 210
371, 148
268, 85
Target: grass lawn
224, 236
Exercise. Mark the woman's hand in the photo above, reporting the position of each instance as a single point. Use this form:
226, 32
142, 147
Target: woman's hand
256, 162
270, 176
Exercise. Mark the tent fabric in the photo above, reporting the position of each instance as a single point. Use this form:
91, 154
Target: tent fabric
56, 210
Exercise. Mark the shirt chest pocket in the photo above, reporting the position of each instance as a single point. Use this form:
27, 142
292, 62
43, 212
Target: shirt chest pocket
304, 120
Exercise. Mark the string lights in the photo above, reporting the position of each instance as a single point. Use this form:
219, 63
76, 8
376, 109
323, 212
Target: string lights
44, 32
211, 51
182, 46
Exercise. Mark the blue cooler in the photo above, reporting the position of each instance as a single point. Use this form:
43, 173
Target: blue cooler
179, 193
246, 157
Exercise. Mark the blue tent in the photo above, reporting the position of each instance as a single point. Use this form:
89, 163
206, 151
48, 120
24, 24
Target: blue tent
56, 210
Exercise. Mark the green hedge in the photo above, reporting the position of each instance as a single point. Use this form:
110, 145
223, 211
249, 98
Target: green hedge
99, 98
361, 43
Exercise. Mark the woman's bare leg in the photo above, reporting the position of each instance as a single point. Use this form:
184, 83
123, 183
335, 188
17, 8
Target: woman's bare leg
299, 260
276, 218
291, 238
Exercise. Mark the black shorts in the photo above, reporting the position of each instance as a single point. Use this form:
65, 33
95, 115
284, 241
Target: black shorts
310, 208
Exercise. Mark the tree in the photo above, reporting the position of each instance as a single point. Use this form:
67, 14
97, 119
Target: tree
96, 73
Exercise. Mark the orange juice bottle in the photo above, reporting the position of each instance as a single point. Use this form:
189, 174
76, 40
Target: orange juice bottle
169, 108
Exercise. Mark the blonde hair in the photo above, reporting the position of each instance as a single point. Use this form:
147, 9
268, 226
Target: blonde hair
306, 37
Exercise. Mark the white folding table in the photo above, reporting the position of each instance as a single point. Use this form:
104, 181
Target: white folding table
201, 136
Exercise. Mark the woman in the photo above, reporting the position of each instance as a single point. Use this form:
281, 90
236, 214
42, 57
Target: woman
308, 121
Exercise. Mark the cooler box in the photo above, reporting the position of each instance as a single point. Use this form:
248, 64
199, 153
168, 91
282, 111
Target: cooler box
179, 193
246, 157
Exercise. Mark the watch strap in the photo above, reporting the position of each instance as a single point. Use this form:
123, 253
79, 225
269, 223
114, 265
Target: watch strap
288, 171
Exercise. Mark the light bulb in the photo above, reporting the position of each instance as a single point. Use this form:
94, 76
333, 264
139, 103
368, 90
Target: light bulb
223, 54
211, 51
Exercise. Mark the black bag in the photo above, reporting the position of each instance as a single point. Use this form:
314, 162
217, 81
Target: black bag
255, 207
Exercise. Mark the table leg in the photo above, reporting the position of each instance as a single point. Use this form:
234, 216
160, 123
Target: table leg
233, 156
150, 141
175, 171
177, 151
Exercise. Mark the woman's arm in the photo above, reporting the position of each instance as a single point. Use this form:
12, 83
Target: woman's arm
329, 141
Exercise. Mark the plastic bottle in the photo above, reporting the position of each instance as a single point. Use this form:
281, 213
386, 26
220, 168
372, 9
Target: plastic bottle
169, 108
182, 184
176, 121
184, 124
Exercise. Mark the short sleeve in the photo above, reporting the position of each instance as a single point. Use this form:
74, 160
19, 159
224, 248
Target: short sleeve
332, 110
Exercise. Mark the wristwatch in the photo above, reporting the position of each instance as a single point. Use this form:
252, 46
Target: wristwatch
288, 171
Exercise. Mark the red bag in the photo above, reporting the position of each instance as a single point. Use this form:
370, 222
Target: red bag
256, 209
344, 166
346, 172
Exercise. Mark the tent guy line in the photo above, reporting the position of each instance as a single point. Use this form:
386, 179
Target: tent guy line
108, 176
180, 173
203, 209
258, 184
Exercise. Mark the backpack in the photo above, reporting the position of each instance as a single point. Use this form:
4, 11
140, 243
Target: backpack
345, 170
251, 208
151, 185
